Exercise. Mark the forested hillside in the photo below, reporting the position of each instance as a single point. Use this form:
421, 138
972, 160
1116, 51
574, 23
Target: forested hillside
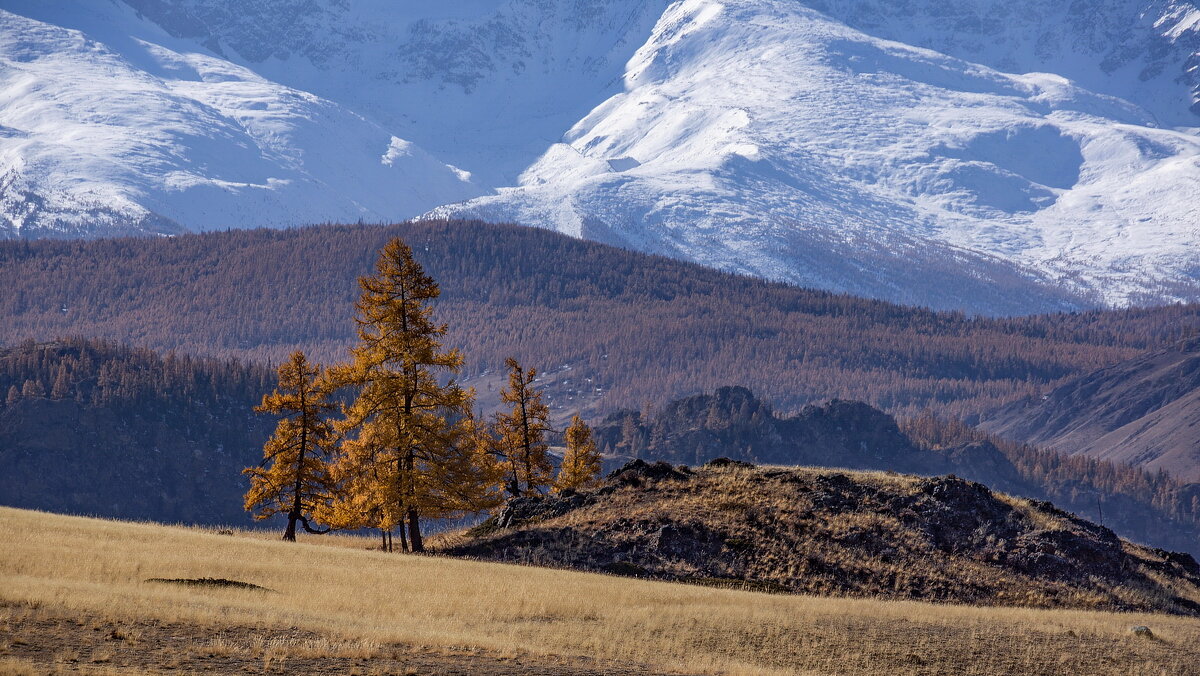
97, 428
609, 328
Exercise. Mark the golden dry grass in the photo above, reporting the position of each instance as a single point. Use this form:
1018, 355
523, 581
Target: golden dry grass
358, 599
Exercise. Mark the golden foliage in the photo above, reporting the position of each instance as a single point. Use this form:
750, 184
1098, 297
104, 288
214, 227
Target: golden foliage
581, 463
294, 477
521, 433
411, 450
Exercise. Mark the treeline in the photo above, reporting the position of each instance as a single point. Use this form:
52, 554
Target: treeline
106, 374
633, 328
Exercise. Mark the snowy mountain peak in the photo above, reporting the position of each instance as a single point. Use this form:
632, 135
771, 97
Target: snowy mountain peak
995, 156
769, 138
137, 137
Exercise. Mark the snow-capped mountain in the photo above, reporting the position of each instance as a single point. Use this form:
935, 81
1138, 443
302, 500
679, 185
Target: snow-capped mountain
990, 155
767, 137
122, 135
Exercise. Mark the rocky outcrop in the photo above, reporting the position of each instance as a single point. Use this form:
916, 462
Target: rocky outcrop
837, 532
733, 423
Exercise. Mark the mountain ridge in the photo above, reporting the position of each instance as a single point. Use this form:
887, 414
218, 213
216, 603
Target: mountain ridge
1144, 412
605, 326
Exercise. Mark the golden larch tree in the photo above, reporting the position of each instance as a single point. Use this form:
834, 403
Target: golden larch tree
404, 454
368, 489
521, 433
294, 476
580, 468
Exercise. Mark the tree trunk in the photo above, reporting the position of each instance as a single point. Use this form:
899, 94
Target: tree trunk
289, 535
414, 531
403, 540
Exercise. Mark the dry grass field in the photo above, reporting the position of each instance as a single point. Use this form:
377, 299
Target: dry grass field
74, 599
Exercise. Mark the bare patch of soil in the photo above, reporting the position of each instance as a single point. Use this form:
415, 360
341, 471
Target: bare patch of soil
60, 642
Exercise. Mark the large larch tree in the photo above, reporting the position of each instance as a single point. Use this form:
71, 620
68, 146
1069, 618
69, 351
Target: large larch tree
404, 423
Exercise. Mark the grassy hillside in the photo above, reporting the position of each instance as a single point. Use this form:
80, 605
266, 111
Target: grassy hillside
337, 608
609, 327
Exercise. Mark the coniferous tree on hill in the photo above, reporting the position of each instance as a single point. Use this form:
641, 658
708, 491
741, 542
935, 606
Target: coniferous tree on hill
521, 433
581, 463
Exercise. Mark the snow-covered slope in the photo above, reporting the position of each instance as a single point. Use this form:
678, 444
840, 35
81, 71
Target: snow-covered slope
483, 84
990, 155
766, 137
130, 136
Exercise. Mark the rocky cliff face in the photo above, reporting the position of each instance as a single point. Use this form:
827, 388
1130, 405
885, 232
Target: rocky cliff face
820, 531
733, 423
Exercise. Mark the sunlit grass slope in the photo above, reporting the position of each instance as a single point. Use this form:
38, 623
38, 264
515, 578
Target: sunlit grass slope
99, 568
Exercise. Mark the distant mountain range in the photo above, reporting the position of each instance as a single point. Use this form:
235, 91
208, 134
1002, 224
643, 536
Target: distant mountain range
998, 157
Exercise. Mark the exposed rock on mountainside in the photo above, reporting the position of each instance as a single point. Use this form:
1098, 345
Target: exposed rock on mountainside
1144, 411
846, 533
733, 422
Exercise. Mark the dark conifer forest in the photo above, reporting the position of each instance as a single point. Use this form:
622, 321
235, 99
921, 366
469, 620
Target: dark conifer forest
98, 428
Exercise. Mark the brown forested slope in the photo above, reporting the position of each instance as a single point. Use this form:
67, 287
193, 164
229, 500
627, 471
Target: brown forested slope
634, 329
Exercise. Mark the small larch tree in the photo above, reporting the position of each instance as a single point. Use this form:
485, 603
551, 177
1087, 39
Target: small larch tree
521, 433
581, 462
294, 476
